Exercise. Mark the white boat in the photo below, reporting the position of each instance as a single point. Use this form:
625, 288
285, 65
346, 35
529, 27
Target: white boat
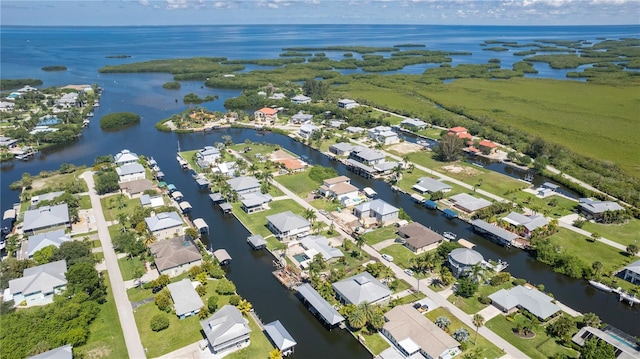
369, 192
450, 235
601, 286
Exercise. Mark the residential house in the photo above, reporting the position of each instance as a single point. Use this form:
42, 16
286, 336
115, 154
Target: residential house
624, 345
347, 104
42, 240
526, 225
165, 225
277, 96
130, 172
336, 123
151, 201
46, 217
314, 245
413, 124
280, 337
226, 330
42, 129
430, 185
307, 130
354, 130
227, 169
415, 336
341, 148
207, 156
124, 157
137, 186
48, 120
27, 88
367, 156
45, 197
418, 238
468, 203
68, 100
463, 260
456, 131
300, 99
596, 209
186, 300
38, 285
529, 298
378, 209
301, 117
360, 288
244, 184
631, 272
341, 189
319, 305
487, 147
494, 233
266, 114
6, 106
176, 255
63, 352
8, 142
287, 225
384, 135
255, 202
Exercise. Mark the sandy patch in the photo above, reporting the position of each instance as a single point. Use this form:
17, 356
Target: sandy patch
281, 155
459, 169
405, 147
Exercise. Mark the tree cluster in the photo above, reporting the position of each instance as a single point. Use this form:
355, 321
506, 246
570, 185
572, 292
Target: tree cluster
118, 120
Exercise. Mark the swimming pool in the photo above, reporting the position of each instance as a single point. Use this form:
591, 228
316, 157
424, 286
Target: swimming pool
300, 257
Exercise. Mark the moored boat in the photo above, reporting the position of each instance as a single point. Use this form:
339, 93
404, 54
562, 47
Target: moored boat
450, 235
601, 286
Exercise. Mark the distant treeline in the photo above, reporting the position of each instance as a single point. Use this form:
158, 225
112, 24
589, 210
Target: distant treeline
6, 84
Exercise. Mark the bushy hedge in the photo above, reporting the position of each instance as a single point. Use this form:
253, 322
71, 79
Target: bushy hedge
159, 322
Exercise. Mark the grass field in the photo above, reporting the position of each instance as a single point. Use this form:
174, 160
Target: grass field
401, 255
624, 234
471, 305
84, 202
111, 210
379, 235
298, 183
127, 266
257, 223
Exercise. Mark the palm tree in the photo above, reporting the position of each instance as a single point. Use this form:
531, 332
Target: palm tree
148, 239
310, 215
359, 243
597, 267
443, 322
319, 226
244, 306
253, 169
478, 321
357, 319
122, 220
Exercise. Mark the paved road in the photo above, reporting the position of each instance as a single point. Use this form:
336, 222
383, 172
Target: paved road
125, 312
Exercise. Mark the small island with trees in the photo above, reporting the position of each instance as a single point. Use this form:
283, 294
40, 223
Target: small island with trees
192, 98
171, 85
54, 68
118, 120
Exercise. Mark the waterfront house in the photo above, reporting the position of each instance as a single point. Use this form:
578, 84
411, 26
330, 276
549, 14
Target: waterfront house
63, 352
38, 241
415, 336
529, 298
207, 156
418, 238
301, 117
27, 88
300, 99
360, 288
227, 169
468, 203
186, 300
48, 120
336, 123
347, 104
354, 130
8, 142
125, 156
384, 135
6, 106
68, 100
307, 130
255, 202
165, 225
42, 129
130, 172
137, 186
287, 225
277, 96
456, 131
382, 211
341, 189
244, 184
631, 272
50, 196
226, 330
526, 225
319, 306
280, 337
413, 124
266, 114
462, 260
487, 147
624, 345
46, 217
314, 245
341, 148
366, 156
176, 255
38, 285
494, 233
151, 201
430, 185
596, 209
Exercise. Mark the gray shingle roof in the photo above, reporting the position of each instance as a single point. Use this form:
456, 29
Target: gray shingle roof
125, 156
185, 297
418, 235
634, 267
377, 206
63, 352
243, 183
529, 222
163, 221
286, 221
51, 238
430, 185
530, 299
342, 147
129, 168
598, 207
413, 122
321, 245
255, 199
174, 252
46, 216
43, 278
494, 230
225, 325
362, 287
368, 154
466, 256
469, 202
323, 307
279, 335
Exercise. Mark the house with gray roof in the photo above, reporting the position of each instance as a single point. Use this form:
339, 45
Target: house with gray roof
526, 224
63, 352
384, 135
46, 217
39, 241
38, 285
226, 330
341, 148
255, 202
300, 99
244, 184
624, 345
6, 106
418, 238
462, 260
360, 288
151, 201
35, 200
130, 172
469, 203
287, 225
124, 157
596, 209
319, 306
165, 225
632, 272
207, 156
354, 129
529, 298
186, 300
8, 142
367, 156
382, 211
280, 337
494, 233
347, 104
176, 255
430, 185
307, 130
413, 124
301, 117
228, 169
415, 336
314, 245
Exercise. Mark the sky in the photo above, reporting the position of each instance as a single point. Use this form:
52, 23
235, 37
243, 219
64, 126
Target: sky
230, 12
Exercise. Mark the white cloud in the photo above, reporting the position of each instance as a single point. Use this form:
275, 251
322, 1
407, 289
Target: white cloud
144, 2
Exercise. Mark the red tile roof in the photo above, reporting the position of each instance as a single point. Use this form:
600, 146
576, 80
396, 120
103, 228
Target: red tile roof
464, 135
486, 143
458, 129
268, 111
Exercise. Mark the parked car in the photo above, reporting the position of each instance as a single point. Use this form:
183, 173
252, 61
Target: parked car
156, 289
409, 272
387, 257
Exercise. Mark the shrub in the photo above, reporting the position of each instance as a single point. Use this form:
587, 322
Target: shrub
118, 120
466, 287
225, 286
201, 290
519, 281
212, 303
163, 300
159, 322
172, 85
484, 299
461, 335
234, 299
500, 278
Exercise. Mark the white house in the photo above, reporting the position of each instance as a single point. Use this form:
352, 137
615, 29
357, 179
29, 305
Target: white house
124, 157
300, 99
341, 189
207, 156
46, 217
226, 330
367, 156
38, 285
165, 225
413, 124
130, 172
244, 184
287, 225
382, 211
632, 272
6, 106
347, 104
384, 135
430, 185
301, 117
307, 130
186, 300
39, 241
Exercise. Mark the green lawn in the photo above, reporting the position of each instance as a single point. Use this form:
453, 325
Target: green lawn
539, 347
111, 210
264, 149
257, 223
189, 157
563, 207
401, 255
375, 342
128, 265
106, 339
259, 348
410, 298
84, 202
325, 204
379, 235
298, 183
471, 305
484, 348
624, 234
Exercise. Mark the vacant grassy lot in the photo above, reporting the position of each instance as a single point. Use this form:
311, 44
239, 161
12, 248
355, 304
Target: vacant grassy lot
257, 223
471, 305
624, 234
59, 181
127, 266
84, 202
111, 210
379, 235
298, 183
401, 255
